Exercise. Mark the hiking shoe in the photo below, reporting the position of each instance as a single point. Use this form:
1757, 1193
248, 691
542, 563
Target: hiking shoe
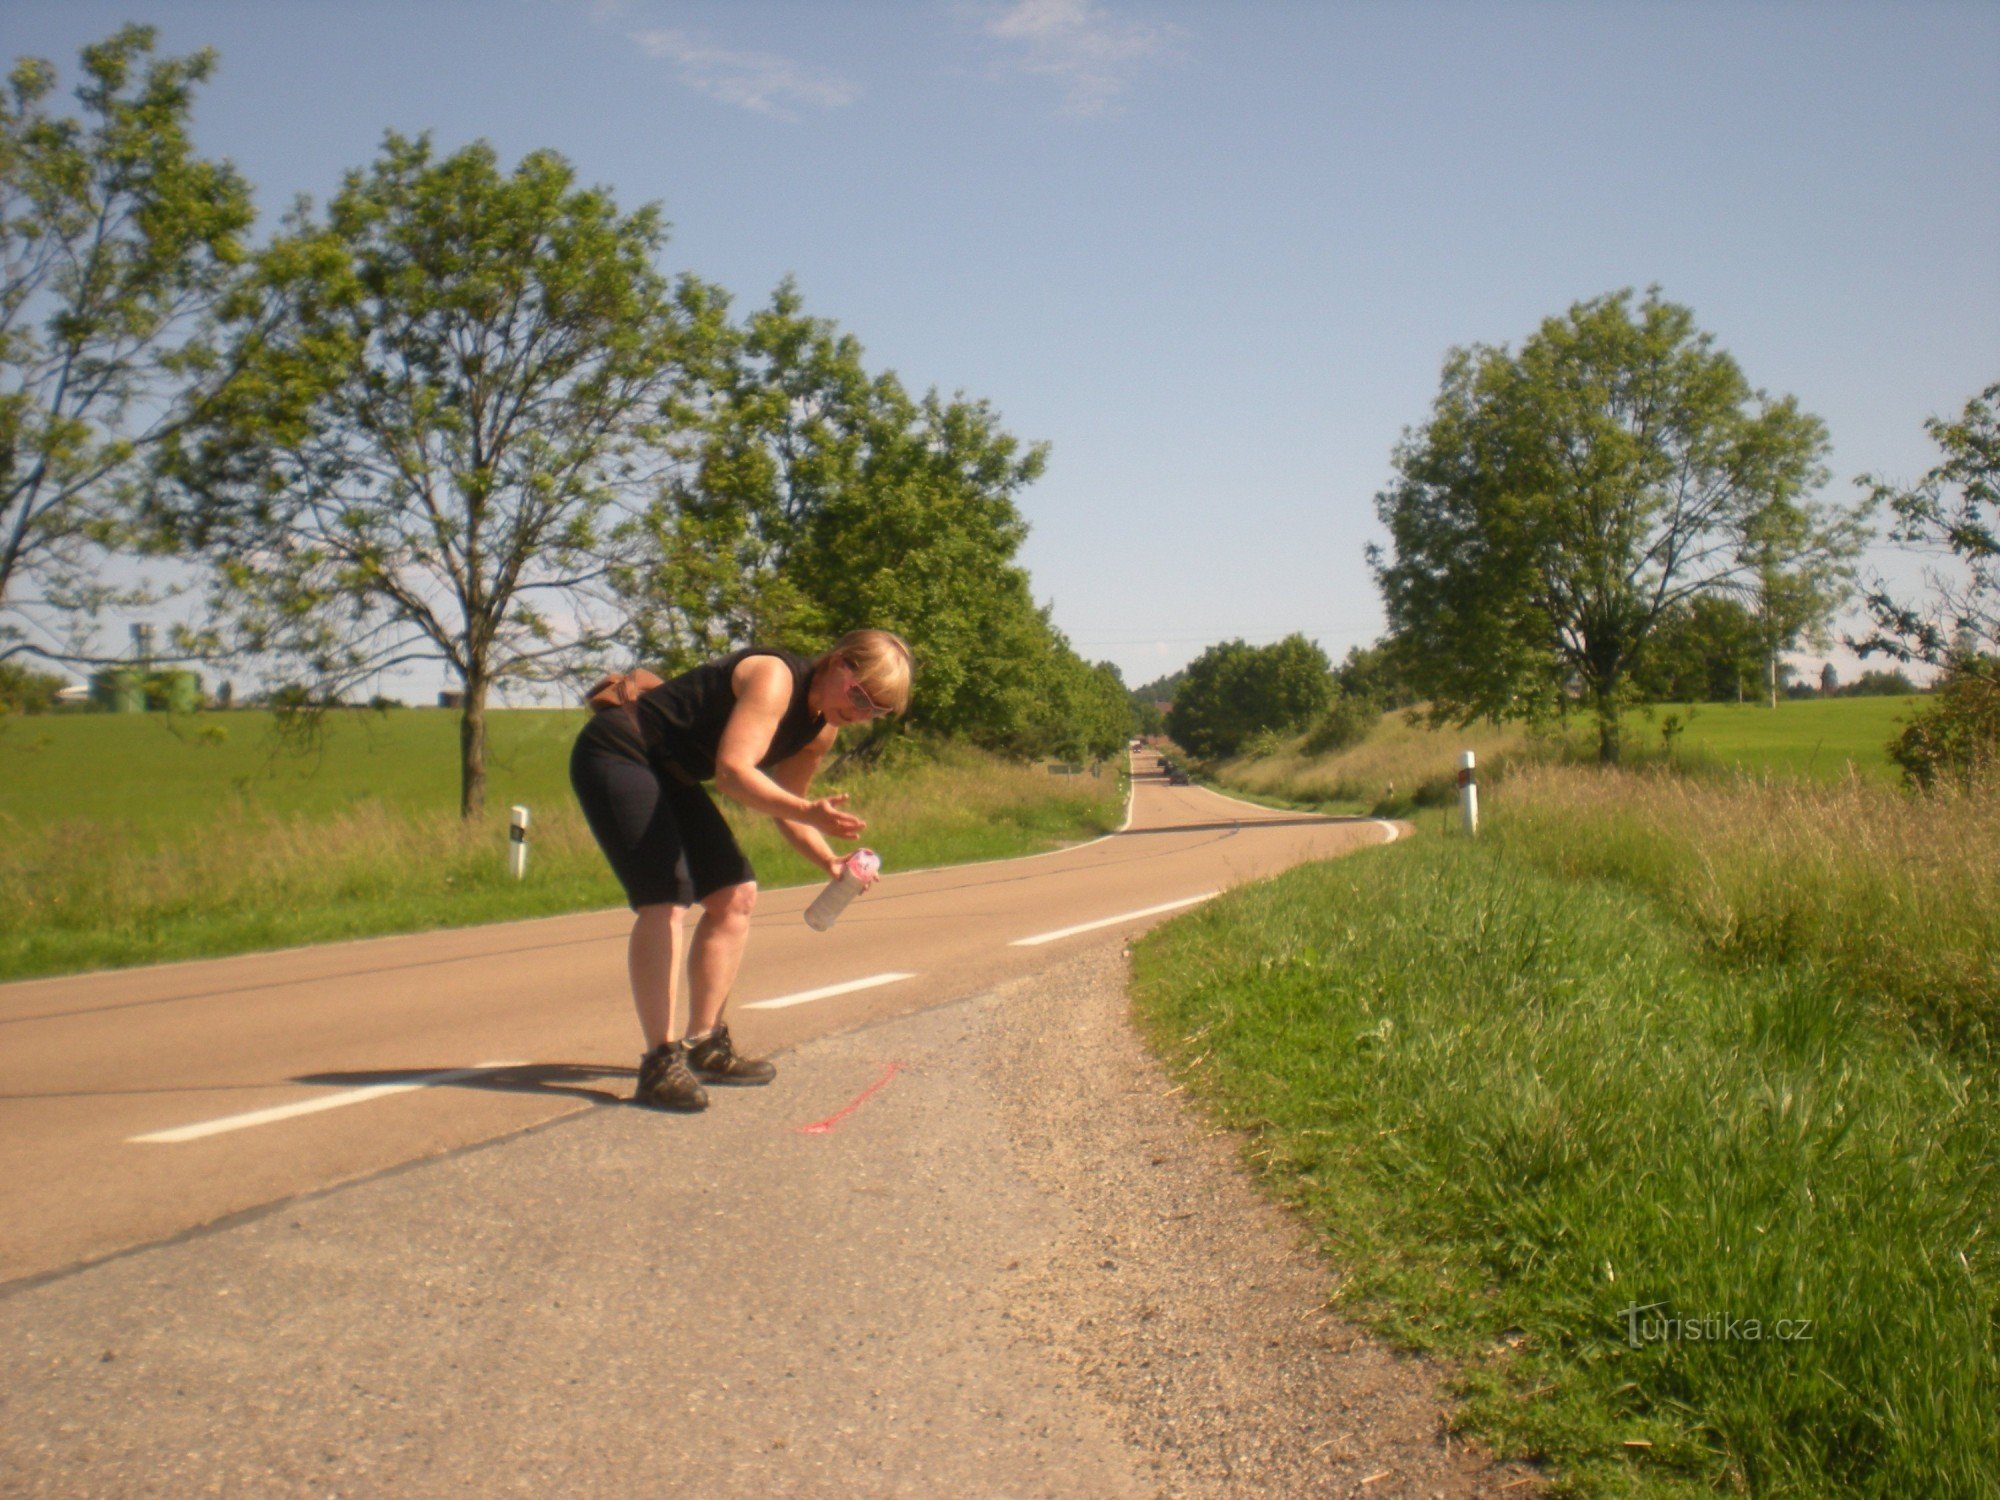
666, 1083
714, 1058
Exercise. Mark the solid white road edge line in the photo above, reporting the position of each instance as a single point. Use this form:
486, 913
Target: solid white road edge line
310, 1106
805, 996
1130, 916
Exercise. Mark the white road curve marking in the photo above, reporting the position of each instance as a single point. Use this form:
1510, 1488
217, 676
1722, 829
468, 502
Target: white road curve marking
310, 1106
1130, 916
806, 997
1390, 830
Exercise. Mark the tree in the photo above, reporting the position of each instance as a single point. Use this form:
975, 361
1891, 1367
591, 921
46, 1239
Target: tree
1149, 718
1797, 584
1952, 512
450, 391
816, 497
1371, 674
23, 690
1704, 650
1079, 711
1234, 690
1876, 683
1563, 499
116, 239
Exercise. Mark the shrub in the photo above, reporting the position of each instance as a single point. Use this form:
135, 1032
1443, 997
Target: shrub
1348, 720
1956, 737
26, 691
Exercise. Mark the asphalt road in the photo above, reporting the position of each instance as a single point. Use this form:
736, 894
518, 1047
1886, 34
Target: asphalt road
140, 1104
375, 1220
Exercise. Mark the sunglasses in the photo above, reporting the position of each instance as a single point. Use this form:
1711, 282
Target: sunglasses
863, 703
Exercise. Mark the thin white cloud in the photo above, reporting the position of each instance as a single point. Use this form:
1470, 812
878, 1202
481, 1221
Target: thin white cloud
1092, 54
759, 81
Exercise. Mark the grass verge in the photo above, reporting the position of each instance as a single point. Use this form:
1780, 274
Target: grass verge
1518, 1106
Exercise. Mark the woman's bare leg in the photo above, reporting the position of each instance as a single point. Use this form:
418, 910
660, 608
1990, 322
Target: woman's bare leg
716, 952
652, 958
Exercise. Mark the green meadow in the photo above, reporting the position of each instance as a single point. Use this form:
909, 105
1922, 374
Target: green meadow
1823, 738
131, 839
162, 774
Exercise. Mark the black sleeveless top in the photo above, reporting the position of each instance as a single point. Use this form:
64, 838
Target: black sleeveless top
682, 721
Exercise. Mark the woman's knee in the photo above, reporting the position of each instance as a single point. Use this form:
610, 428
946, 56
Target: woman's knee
663, 918
731, 906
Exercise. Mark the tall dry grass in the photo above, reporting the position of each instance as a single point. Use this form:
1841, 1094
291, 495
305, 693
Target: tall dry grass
1402, 764
1898, 894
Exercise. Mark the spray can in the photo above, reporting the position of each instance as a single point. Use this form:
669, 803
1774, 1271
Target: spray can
830, 903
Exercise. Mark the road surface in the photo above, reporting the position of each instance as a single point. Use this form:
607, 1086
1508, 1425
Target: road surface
372, 1218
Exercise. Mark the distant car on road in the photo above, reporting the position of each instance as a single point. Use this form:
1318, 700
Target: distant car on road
1178, 777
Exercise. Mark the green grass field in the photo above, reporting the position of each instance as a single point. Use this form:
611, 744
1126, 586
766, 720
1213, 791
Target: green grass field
1820, 738
139, 839
160, 774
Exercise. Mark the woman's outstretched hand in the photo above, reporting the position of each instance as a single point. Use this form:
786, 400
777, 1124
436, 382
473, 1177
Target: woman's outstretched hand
829, 817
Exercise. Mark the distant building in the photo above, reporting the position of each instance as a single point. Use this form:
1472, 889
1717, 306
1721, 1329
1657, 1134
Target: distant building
451, 700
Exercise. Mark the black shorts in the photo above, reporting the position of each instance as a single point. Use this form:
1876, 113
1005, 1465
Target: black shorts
666, 841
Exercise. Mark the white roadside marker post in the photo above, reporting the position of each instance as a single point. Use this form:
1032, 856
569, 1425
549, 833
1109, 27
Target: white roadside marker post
517, 841
1468, 795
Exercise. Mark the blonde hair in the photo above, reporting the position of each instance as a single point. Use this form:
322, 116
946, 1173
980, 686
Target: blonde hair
881, 664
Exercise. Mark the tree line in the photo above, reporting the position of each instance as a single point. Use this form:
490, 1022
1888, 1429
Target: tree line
459, 416
1611, 514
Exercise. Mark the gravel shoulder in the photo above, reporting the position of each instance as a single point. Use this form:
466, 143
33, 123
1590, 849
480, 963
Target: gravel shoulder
1187, 1306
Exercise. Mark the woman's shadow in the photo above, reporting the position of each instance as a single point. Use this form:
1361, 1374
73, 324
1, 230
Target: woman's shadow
570, 1079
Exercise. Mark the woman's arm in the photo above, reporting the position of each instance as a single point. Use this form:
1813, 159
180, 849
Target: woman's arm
763, 687
795, 774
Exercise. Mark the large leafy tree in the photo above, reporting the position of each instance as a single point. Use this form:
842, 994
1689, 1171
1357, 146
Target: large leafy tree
816, 497
451, 392
1562, 500
1233, 690
116, 239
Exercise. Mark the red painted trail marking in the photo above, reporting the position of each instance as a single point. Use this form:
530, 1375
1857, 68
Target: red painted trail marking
822, 1127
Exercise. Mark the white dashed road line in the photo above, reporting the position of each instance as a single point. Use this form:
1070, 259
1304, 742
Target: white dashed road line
341, 1100
803, 997
310, 1106
1129, 916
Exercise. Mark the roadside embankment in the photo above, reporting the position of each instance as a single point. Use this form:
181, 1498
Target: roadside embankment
1668, 1105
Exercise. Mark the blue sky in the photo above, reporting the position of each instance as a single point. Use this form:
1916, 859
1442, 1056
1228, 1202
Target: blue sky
1213, 254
